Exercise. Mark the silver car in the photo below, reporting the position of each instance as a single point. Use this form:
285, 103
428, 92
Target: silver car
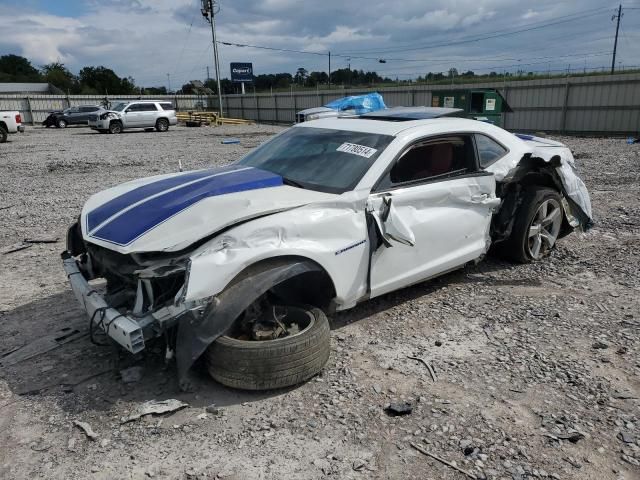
147, 114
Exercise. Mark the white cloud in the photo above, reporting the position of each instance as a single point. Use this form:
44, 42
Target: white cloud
147, 39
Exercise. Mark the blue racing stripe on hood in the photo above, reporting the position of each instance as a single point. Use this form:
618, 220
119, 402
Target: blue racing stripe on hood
142, 218
117, 204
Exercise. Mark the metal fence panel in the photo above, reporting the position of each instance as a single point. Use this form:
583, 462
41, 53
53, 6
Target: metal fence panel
592, 104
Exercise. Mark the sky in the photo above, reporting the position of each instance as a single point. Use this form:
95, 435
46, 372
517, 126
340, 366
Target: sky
148, 39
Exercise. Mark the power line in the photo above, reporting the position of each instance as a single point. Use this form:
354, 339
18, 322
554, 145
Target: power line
184, 44
495, 34
445, 44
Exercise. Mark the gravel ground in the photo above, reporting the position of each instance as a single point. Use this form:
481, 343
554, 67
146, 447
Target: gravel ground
537, 366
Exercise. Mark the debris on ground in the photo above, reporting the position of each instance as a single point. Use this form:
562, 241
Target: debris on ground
86, 428
443, 461
155, 407
16, 247
42, 239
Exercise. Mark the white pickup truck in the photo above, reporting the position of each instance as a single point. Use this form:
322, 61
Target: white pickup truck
10, 122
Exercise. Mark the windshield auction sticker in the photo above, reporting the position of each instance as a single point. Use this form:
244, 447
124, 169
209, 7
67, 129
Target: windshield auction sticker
355, 149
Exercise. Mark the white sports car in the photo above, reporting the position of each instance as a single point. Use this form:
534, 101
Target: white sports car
239, 263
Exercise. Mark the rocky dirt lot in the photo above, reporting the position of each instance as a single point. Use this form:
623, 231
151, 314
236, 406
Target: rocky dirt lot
537, 367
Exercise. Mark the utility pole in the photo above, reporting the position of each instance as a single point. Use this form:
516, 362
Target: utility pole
329, 69
615, 43
208, 77
209, 11
169, 82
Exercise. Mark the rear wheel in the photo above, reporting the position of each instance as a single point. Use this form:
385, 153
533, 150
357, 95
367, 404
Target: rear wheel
115, 127
3, 134
239, 362
162, 125
537, 226
61, 123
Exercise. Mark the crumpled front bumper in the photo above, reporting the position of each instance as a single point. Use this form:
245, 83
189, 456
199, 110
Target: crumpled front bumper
128, 331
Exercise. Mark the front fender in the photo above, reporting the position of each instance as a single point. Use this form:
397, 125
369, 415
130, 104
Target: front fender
333, 236
196, 334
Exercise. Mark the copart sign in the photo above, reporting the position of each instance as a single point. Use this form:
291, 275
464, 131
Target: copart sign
242, 72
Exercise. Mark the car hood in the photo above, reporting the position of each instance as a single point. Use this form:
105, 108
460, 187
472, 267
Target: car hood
170, 212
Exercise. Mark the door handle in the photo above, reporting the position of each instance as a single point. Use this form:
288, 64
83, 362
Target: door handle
481, 197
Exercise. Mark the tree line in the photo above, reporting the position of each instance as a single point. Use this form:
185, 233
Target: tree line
101, 80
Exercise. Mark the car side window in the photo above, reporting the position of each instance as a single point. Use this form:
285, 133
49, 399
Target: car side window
489, 151
147, 107
167, 106
133, 108
433, 159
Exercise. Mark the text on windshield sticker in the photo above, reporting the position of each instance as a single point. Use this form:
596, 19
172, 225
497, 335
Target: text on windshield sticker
355, 149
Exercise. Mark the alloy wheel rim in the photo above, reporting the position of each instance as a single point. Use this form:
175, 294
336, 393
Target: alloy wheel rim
544, 229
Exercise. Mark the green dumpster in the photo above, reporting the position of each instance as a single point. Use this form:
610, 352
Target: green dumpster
485, 104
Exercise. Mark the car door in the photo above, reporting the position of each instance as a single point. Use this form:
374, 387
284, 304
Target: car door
132, 115
148, 114
71, 114
433, 208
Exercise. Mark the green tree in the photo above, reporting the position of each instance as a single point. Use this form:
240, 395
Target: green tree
101, 80
14, 68
301, 75
58, 75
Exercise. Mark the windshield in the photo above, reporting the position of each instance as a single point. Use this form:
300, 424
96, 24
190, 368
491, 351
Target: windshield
119, 107
319, 158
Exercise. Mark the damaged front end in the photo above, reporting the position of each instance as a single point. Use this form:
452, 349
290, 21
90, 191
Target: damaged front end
132, 298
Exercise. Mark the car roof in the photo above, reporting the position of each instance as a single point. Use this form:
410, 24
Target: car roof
402, 114
394, 127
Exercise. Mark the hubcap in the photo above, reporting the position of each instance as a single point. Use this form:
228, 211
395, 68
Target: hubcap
544, 229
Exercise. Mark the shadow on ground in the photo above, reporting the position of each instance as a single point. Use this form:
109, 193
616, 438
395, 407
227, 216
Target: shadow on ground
85, 376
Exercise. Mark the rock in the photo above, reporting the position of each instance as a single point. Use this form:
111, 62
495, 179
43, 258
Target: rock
598, 345
358, 464
86, 428
213, 410
131, 374
625, 437
398, 409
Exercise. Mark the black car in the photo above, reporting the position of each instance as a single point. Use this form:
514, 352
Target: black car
71, 116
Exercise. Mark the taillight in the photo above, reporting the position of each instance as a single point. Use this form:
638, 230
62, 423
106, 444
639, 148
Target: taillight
18, 119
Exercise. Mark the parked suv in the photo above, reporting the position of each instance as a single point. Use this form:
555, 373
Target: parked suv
71, 116
135, 114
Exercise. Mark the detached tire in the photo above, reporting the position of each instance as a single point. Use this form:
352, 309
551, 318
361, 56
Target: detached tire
270, 364
536, 228
3, 135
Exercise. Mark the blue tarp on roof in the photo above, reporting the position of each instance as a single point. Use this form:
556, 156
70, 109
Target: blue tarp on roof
360, 103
